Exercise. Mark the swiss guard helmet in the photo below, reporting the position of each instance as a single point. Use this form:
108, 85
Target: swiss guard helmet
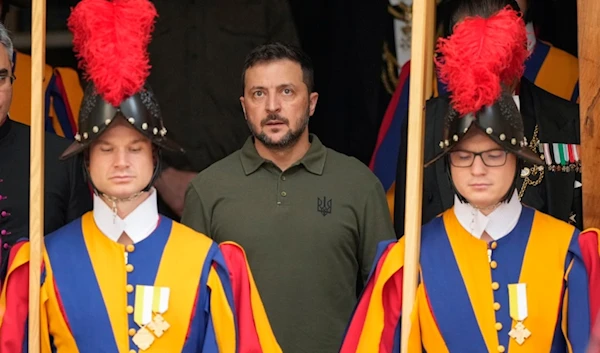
110, 39
479, 62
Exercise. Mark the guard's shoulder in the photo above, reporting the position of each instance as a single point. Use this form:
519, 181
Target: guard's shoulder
193, 236
550, 101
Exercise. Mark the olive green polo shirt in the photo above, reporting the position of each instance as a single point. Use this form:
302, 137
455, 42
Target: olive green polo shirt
310, 234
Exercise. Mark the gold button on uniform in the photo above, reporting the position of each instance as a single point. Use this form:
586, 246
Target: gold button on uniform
495, 286
494, 245
132, 332
129, 268
496, 306
501, 349
493, 264
498, 326
129, 288
129, 309
130, 248
283, 193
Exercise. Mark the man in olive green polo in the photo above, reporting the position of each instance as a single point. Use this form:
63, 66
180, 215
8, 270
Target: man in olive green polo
308, 217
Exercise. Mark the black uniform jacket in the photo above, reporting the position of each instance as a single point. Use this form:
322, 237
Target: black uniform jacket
66, 194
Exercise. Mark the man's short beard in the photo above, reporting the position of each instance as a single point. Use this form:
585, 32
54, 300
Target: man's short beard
289, 140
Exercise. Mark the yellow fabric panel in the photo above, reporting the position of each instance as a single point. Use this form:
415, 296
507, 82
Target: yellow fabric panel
414, 336
470, 254
222, 315
267, 339
559, 73
55, 325
431, 337
549, 239
45, 344
102, 252
563, 324
375, 315
185, 249
20, 109
21, 258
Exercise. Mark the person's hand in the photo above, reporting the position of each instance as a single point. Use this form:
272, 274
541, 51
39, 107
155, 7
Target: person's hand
172, 185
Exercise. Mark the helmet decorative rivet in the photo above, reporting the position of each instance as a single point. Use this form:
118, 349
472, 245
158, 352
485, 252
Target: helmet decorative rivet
144, 126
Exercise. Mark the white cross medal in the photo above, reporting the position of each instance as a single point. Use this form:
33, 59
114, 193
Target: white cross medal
517, 299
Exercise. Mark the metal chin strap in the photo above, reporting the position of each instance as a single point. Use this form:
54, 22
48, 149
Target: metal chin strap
114, 199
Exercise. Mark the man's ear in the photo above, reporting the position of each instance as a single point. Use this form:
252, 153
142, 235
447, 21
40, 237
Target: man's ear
313, 98
242, 102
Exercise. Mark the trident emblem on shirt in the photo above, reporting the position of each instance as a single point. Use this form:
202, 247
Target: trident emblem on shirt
324, 206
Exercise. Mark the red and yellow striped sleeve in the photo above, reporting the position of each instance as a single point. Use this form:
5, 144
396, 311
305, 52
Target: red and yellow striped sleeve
14, 300
375, 324
254, 330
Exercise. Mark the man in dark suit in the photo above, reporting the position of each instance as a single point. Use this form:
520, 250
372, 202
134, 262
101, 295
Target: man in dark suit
552, 131
67, 195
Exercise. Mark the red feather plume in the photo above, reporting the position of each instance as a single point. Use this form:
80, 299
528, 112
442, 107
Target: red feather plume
480, 55
111, 39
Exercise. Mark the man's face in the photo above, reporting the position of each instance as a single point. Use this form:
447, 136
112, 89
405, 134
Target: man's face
480, 184
5, 83
121, 161
276, 103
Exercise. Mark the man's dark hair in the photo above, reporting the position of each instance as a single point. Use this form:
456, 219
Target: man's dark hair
280, 51
450, 12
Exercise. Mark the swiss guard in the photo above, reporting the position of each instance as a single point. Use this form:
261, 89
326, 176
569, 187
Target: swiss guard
494, 275
123, 278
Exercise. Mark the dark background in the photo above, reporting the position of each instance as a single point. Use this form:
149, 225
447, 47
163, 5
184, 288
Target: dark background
345, 40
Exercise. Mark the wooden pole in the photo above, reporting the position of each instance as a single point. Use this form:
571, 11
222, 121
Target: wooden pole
421, 56
429, 45
36, 189
588, 23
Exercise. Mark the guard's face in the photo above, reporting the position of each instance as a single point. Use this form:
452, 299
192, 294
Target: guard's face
482, 185
5, 83
121, 161
276, 103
